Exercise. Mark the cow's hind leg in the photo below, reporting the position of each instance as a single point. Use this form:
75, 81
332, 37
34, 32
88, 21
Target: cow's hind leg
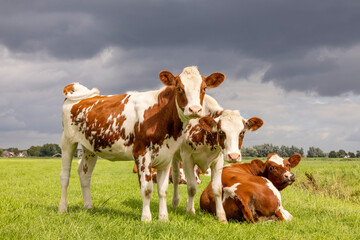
146, 184
85, 169
176, 180
67, 152
162, 187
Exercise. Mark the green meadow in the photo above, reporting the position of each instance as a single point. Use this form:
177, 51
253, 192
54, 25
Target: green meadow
324, 200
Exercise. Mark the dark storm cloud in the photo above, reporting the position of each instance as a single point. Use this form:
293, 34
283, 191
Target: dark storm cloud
214, 34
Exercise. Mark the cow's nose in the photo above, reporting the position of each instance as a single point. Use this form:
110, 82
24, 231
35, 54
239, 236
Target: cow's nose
290, 177
195, 110
233, 157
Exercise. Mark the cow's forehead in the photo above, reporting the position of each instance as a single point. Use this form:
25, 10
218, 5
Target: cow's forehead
277, 159
191, 78
231, 122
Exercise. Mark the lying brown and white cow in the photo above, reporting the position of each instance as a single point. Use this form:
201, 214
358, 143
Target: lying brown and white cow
145, 126
251, 190
208, 142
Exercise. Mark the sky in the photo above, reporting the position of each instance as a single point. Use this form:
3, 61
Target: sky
295, 64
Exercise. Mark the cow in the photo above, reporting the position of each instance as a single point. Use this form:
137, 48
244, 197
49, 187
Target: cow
251, 190
207, 143
143, 126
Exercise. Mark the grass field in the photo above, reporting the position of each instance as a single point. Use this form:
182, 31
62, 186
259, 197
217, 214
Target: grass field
325, 203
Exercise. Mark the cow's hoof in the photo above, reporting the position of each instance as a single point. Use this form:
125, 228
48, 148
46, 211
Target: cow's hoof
146, 219
191, 211
88, 205
223, 221
163, 218
175, 202
62, 207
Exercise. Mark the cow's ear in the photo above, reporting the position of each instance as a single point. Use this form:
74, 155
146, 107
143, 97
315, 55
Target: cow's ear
253, 124
214, 80
167, 78
294, 160
208, 124
258, 166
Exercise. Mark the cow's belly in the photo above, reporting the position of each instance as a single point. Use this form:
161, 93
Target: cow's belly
116, 152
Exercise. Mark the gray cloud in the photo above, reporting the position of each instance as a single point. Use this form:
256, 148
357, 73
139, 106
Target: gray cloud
179, 33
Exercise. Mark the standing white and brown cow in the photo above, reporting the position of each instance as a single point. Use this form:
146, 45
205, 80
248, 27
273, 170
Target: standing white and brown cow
207, 143
145, 126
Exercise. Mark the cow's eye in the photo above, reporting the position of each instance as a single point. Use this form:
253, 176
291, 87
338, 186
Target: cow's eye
289, 165
221, 133
271, 168
179, 89
204, 88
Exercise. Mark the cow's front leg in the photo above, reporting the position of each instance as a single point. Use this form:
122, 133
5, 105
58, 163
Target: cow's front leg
162, 187
216, 170
146, 184
192, 185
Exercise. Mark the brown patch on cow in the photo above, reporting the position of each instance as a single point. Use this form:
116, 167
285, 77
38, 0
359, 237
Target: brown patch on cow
85, 168
241, 138
161, 121
142, 168
69, 89
100, 119
148, 177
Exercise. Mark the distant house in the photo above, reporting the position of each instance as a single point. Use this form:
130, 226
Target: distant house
347, 156
22, 154
304, 155
8, 154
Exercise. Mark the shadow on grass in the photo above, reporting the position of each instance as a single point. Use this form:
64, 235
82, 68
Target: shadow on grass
103, 210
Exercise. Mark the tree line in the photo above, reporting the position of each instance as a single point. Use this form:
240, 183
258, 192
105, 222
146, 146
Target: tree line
51, 149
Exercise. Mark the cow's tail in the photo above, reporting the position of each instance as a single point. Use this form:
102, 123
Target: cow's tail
76, 92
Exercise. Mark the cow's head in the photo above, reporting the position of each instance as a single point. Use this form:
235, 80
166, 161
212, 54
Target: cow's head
190, 88
277, 169
230, 128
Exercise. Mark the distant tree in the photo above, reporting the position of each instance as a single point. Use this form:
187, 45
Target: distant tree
1, 151
351, 154
358, 154
301, 151
341, 153
34, 151
48, 150
315, 152
333, 154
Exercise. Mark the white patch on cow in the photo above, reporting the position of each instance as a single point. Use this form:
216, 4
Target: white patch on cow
229, 192
287, 216
231, 125
138, 103
277, 159
273, 189
191, 79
